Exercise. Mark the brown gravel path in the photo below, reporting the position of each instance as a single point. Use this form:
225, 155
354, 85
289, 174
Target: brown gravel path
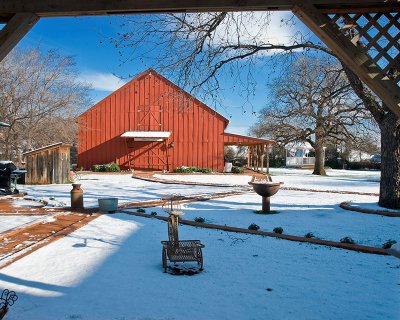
19, 242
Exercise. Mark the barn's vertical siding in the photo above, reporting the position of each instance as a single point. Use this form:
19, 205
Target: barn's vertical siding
196, 130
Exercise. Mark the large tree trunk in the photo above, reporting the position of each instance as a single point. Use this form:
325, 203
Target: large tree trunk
319, 166
389, 196
389, 125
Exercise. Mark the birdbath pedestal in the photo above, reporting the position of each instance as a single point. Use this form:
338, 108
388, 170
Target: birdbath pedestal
266, 189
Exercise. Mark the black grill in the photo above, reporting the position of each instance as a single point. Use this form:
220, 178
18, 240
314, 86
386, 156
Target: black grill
8, 177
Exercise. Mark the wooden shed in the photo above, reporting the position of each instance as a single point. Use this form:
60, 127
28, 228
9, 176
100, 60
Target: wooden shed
47, 165
150, 123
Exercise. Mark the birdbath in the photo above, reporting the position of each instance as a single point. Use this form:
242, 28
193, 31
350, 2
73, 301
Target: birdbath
171, 203
266, 189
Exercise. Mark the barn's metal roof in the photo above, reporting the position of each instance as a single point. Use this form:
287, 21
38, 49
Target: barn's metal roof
238, 139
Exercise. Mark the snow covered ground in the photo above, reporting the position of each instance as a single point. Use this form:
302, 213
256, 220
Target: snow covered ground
338, 180
11, 222
299, 213
111, 269
122, 186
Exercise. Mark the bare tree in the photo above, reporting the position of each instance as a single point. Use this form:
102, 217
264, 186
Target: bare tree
39, 97
229, 153
313, 102
200, 47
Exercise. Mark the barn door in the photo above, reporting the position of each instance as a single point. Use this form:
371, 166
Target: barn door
150, 154
150, 118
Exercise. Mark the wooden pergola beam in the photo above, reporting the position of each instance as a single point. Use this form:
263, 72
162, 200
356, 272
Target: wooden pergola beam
21, 15
354, 57
57, 8
15, 30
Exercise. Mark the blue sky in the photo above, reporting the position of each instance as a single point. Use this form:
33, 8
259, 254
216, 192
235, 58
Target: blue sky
85, 38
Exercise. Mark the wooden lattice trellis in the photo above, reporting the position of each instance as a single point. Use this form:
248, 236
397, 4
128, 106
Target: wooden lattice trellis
378, 35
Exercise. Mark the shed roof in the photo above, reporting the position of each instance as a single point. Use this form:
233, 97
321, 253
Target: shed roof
49, 147
237, 139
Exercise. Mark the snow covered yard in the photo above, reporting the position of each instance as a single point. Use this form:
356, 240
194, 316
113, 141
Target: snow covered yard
337, 180
11, 222
122, 186
299, 213
111, 269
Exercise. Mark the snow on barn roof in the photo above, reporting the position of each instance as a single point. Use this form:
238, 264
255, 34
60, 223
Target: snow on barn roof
147, 135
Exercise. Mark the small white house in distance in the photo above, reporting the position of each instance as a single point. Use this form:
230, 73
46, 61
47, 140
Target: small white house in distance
297, 155
358, 156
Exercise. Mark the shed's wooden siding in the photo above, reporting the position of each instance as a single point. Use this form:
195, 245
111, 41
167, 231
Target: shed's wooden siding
196, 130
48, 165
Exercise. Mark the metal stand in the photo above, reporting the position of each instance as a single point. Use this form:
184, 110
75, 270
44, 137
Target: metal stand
266, 204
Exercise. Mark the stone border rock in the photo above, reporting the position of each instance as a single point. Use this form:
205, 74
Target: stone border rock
347, 206
347, 246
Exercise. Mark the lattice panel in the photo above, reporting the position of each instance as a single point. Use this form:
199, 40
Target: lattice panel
378, 34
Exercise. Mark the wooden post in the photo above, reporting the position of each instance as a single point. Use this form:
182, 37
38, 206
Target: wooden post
248, 157
256, 158
15, 30
252, 157
262, 158
166, 146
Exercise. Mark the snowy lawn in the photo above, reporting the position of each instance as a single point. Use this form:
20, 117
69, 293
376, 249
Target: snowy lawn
111, 269
122, 186
95, 186
338, 180
299, 212
11, 222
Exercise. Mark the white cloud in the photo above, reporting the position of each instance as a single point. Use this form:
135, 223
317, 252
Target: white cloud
243, 130
102, 81
257, 28
264, 27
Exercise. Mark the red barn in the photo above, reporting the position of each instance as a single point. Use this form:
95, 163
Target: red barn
150, 123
